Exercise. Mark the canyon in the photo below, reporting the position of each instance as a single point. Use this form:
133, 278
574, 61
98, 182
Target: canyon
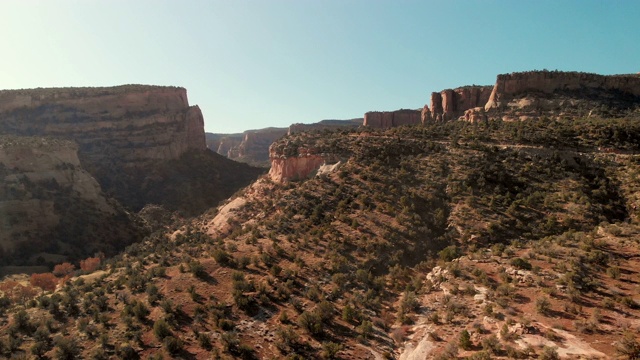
77, 163
126, 135
252, 146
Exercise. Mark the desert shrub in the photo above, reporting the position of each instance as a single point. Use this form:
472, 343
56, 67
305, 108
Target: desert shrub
230, 341
222, 257
465, 340
46, 281
549, 353
90, 265
449, 253
67, 348
204, 340
491, 344
325, 311
628, 346
365, 329
311, 322
161, 329
330, 350
172, 344
543, 305
521, 263
63, 269
153, 294
197, 269
21, 322
481, 355
39, 348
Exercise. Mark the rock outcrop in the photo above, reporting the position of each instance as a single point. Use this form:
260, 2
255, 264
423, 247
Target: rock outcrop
387, 119
293, 168
452, 103
291, 162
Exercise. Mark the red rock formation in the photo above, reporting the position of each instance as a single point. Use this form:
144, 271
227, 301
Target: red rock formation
285, 169
547, 82
387, 119
299, 165
452, 103
425, 116
436, 106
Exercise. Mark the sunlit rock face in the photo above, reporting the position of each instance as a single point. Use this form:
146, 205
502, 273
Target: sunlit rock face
387, 119
511, 85
131, 123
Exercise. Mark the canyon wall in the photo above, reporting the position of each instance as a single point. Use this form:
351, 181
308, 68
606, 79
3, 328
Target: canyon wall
132, 123
548, 82
387, 119
252, 146
49, 204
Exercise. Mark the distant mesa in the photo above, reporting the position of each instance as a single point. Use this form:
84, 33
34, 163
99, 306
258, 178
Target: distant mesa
523, 95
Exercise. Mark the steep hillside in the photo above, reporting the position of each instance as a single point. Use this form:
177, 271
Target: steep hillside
498, 240
50, 206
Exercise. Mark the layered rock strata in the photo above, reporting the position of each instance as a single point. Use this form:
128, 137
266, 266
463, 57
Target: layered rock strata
452, 103
508, 86
387, 119
131, 123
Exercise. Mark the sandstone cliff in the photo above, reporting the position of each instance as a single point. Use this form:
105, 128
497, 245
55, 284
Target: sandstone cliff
132, 139
548, 82
451, 103
387, 119
290, 161
131, 123
49, 204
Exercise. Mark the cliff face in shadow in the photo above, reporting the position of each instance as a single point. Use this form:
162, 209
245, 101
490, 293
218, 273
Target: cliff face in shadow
51, 206
126, 136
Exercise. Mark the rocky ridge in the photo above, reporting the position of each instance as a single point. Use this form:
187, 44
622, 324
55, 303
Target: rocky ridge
522, 96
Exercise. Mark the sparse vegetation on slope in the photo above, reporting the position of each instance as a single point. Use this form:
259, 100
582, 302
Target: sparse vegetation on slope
449, 240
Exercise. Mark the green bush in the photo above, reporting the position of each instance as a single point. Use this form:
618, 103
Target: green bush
161, 329
449, 253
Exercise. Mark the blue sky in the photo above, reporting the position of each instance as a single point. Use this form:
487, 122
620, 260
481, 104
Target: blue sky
260, 63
